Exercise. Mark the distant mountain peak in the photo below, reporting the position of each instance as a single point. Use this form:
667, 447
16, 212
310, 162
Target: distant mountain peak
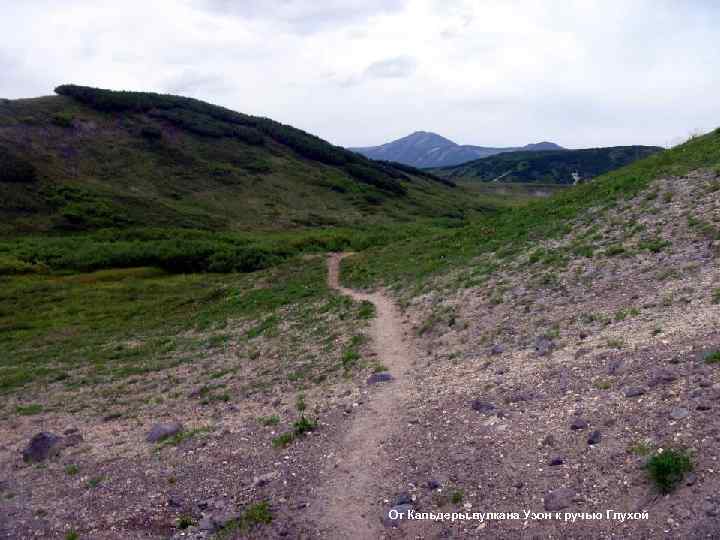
426, 149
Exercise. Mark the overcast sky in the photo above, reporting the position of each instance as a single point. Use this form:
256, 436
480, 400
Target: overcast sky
363, 72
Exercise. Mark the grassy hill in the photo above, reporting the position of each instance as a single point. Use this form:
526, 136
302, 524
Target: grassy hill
550, 167
88, 159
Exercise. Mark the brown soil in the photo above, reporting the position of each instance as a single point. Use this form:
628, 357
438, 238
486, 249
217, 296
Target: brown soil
345, 507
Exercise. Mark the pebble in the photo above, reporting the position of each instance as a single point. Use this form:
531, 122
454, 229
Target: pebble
678, 413
558, 499
162, 431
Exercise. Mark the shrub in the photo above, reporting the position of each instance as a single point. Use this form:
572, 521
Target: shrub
303, 425
668, 468
62, 119
13, 266
151, 133
15, 169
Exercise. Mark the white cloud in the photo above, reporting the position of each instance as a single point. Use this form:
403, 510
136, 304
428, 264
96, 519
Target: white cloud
362, 72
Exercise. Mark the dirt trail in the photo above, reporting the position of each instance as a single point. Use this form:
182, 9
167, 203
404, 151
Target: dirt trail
347, 502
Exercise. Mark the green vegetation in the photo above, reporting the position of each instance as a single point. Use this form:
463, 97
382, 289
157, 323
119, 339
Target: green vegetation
72, 470
81, 329
181, 437
28, 410
253, 515
668, 468
505, 234
72, 535
456, 497
219, 171
95, 481
712, 358
272, 420
547, 166
185, 522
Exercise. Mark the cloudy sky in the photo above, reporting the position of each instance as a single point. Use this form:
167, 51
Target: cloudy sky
362, 72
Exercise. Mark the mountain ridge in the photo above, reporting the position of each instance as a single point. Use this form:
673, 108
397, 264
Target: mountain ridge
547, 166
426, 149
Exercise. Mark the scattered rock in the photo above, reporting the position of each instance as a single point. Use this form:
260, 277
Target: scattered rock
578, 424
661, 376
482, 406
615, 366
517, 397
264, 479
634, 391
41, 447
595, 437
549, 440
704, 406
433, 484
111, 417
72, 440
160, 432
403, 498
691, 479
558, 499
557, 460
379, 377
544, 345
497, 349
678, 413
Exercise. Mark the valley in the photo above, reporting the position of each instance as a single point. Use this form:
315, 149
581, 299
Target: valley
199, 347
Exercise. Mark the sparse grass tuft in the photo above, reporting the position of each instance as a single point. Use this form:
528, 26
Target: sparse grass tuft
712, 358
29, 410
271, 420
456, 497
668, 468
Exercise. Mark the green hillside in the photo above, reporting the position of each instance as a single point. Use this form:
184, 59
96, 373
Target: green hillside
549, 167
88, 159
514, 230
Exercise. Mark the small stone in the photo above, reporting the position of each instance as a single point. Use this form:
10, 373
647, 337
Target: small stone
379, 377
544, 345
482, 406
497, 349
634, 391
160, 432
661, 376
578, 424
549, 440
41, 447
595, 437
678, 413
703, 406
558, 499
264, 479
111, 417
557, 460
433, 484
207, 524
615, 366
691, 479
403, 498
